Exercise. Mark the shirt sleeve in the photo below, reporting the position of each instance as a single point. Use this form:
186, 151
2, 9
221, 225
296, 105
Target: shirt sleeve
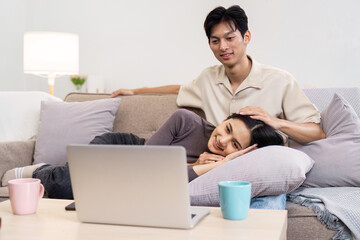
297, 107
190, 95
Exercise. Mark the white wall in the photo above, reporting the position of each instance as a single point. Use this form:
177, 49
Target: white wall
12, 27
150, 43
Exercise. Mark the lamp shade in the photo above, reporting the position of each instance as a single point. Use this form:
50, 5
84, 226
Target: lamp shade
52, 53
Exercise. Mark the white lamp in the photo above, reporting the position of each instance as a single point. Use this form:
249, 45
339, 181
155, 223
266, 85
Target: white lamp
51, 55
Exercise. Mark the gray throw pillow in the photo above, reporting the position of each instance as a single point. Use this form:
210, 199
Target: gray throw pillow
63, 123
337, 157
272, 170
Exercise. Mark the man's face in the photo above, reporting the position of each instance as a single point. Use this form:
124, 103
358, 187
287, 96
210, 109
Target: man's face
228, 46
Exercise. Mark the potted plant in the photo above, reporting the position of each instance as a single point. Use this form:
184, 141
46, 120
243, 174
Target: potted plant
78, 81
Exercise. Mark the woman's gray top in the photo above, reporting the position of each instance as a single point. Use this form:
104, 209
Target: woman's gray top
187, 129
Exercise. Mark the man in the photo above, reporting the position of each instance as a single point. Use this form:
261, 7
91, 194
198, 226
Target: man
243, 85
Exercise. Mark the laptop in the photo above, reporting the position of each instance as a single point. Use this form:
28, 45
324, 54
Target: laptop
132, 185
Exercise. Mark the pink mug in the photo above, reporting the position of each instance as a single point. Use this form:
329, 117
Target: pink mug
25, 194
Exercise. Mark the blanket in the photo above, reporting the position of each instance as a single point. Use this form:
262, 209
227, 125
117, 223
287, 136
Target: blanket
338, 207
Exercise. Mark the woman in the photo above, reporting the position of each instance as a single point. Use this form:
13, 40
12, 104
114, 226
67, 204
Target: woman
206, 146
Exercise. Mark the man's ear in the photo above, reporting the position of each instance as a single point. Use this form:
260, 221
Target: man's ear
247, 36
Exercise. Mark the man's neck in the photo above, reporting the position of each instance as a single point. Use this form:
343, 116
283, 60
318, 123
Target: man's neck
238, 73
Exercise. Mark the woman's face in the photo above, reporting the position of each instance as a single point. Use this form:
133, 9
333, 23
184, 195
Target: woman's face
230, 136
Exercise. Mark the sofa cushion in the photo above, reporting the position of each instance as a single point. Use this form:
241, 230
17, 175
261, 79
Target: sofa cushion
15, 154
304, 224
63, 123
337, 157
141, 114
272, 170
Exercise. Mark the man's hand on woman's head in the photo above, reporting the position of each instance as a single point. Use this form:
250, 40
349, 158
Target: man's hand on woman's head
260, 114
301, 132
125, 92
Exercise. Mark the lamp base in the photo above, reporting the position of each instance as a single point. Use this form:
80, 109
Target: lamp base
51, 82
51, 90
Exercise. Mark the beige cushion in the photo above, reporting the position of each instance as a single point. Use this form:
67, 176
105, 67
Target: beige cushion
141, 115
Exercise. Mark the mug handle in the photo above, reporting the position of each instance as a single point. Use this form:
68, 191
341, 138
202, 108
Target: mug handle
41, 193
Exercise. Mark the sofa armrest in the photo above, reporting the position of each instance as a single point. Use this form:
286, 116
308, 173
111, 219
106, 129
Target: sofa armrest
15, 154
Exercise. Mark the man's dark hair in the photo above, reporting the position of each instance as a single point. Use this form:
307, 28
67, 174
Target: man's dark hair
234, 16
261, 134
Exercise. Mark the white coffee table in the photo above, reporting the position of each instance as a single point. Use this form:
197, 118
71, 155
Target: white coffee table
52, 222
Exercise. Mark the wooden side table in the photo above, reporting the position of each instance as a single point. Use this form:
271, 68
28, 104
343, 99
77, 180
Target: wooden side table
52, 222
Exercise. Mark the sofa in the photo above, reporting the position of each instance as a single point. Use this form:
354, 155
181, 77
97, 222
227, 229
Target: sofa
143, 115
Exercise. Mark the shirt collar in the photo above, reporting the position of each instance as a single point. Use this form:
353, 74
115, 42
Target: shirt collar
252, 80
254, 77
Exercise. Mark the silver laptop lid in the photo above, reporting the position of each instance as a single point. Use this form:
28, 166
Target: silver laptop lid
130, 185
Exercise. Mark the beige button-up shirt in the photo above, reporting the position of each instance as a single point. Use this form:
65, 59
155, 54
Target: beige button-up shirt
274, 90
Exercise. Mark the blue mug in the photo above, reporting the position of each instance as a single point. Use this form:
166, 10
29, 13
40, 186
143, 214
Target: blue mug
234, 199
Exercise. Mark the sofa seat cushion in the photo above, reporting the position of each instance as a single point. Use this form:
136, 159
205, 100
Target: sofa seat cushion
4, 192
304, 224
15, 154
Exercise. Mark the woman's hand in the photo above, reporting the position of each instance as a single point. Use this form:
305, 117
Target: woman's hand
231, 156
200, 169
206, 158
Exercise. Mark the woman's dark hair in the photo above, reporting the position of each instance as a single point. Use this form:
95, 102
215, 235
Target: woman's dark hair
234, 15
261, 134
